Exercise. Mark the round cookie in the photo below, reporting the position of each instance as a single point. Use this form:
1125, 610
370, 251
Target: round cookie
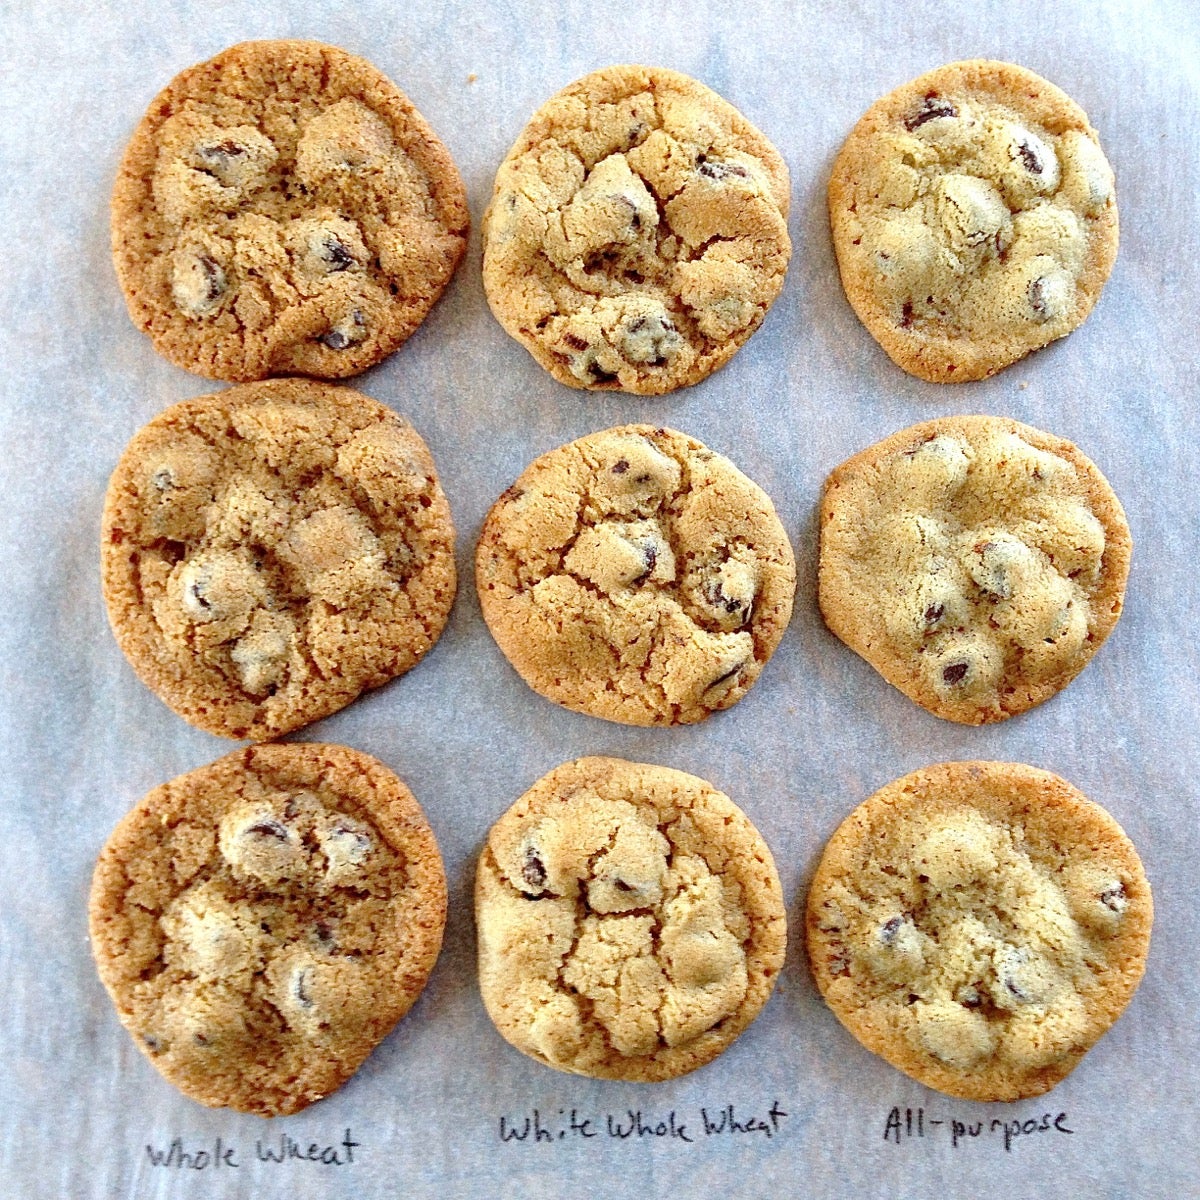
637, 576
637, 232
270, 552
263, 922
980, 926
974, 219
631, 923
283, 209
976, 563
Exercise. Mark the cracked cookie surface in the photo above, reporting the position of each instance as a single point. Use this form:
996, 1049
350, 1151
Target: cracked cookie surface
263, 922
974, 219
637, 576
630, 920
283, 209
980, 926
637, 232
270, 552
976, 563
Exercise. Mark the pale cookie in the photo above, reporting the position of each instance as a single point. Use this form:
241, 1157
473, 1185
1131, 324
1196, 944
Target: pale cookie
637, 233
631, 923
270, 552
637, 576
263, 922
976, 563
283, 209
974, 218
980, 926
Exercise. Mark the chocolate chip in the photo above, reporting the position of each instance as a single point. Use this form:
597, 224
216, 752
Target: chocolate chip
620, 466
1031, 160
1113, 897
152, 1042
218, 157
1015, 989
214, 277
200, 1039
650, 554
622, 886
197, 591
969, 996
346, 333
575, 341
269, 828
955, 672
1038, 300
334, 254
906, 316
720, 679
889, 930
722, 170
533, 870
934, 613
932, 107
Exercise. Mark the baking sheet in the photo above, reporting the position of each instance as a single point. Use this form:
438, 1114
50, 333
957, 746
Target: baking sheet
84, 1114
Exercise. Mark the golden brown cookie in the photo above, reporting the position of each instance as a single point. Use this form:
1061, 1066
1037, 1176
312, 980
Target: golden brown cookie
272, 551
637, 233
631, 923
263, 922
974, 219
976, 563
637, 576
980, 926
283, 209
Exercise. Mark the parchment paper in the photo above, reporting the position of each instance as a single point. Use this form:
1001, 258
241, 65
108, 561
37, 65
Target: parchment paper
81, 740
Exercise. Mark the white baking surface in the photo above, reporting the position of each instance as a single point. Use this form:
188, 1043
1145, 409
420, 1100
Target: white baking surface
81, 740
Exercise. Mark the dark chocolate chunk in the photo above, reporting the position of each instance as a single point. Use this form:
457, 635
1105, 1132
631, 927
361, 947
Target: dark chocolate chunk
930, 109
955, 672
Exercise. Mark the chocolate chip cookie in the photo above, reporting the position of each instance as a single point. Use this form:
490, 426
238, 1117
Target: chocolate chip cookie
974, 219
976, 563
283, 209
262, 923
980, 926
637, 233
637, 576
631, 923
270, 552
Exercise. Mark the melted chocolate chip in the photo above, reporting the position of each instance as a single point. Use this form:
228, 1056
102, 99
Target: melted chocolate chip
1030, 159
906, 315
722, 170
335, 255
1037, 297
932, 107
575, 341
533, 870
620, 466
268, 828
214, 278
955, 672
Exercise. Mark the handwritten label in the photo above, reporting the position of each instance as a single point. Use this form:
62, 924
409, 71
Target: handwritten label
904, 1124
219, 1154
639, 1125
